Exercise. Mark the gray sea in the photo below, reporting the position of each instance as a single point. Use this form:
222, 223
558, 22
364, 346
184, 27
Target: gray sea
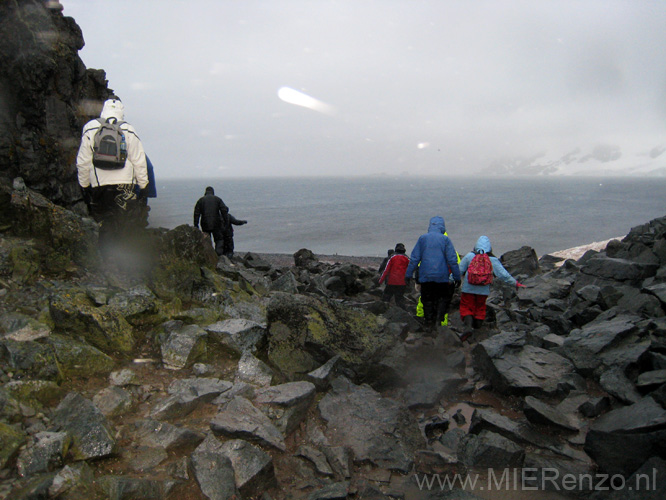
367, 216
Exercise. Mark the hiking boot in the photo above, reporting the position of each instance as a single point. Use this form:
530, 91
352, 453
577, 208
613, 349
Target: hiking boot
466, 335
468, 328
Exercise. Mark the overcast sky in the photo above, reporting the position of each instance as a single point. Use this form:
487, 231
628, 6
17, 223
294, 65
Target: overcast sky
220, 87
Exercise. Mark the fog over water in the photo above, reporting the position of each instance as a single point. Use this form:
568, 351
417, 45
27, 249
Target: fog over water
426, 87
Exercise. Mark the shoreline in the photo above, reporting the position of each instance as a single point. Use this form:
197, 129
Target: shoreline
287, 260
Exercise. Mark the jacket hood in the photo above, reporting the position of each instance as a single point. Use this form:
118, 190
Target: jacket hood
210, 190
113, 108
437, 225
483, 243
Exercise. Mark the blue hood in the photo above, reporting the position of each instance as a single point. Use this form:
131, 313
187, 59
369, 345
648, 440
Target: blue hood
483, 243
437, 225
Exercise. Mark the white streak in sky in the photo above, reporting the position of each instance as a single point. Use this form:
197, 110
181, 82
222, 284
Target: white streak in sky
298, 98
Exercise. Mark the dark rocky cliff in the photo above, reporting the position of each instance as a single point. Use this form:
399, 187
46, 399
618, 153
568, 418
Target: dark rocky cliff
46, 96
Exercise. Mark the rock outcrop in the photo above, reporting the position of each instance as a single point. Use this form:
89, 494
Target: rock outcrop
47, 95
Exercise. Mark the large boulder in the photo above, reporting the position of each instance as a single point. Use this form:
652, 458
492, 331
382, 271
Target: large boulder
182, 252
305, 332
92, 435
61, 238
286, 404
490, 450
75, 315
585, 346
182, 345
618, 269
620, 441
240, 419
213, 470
238, 335
305, 259
523, 262
378, 430
79, 358
513, 367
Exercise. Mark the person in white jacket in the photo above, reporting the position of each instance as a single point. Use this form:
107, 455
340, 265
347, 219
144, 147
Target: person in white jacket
110, 194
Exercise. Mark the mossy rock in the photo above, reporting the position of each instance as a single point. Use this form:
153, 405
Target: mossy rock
175, 280
75, 315
11, 441
30, 358
79, 359
183, 251
10, 410
139, 306
35, 393
201, 316
69, 238
21, 327
305, 332
25, 262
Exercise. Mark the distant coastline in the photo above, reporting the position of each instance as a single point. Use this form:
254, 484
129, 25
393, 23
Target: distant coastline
287, 260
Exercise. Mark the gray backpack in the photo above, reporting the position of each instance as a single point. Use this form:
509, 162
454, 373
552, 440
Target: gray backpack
109, 145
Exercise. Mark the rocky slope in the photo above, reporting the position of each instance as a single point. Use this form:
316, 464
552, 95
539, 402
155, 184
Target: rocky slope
174, 374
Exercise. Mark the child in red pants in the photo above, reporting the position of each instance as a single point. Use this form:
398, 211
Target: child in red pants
473, 297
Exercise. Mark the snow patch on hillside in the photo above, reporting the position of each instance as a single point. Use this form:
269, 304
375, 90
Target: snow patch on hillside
603, 160
576, 253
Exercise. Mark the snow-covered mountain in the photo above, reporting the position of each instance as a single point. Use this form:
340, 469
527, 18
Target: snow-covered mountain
601, 160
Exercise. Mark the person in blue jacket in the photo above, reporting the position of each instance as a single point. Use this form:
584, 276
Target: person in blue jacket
150, 191
436, 258
473, 297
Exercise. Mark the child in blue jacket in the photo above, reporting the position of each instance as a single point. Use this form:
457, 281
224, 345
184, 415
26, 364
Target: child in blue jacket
473, 297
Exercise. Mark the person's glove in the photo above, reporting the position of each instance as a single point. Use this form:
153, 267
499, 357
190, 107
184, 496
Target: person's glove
196, 225
243, 222
87, 195
143, 193
408, 281
457, 283
519, 285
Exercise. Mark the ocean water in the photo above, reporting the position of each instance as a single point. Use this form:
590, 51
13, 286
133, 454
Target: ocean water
367, 216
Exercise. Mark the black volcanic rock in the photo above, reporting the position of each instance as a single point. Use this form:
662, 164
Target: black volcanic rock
47, 96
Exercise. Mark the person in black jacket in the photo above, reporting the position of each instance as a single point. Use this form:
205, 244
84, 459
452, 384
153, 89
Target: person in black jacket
385, 261
214, 215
